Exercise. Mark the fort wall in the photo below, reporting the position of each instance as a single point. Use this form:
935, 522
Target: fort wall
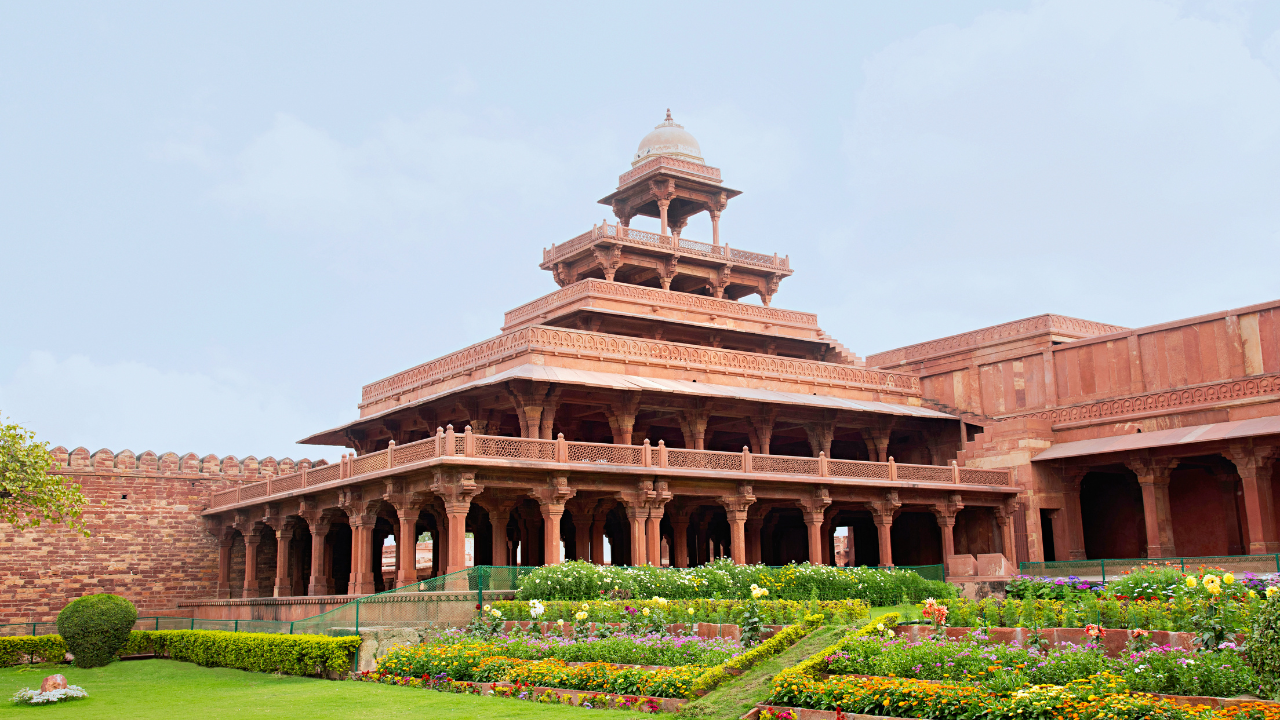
146, 543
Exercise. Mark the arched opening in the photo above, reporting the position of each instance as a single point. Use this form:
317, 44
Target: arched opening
1111, 515
338, 549
916, 538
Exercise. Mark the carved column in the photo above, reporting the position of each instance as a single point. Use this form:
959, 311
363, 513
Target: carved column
1004, 518
499, 510
321, 582
225, 540
284, 533
407, 545
636, 517
883, 512
1072, 515
1153, 478
597, 531
622, 417
536, 404
946, 516
551, 499
680, 536
1254, 467
251, 541
456, 488
693, 423
825, 531
582, 536
362, 582
736, 509
752, 528
877, 439
653, 534
762, 430
814, 508
822, 433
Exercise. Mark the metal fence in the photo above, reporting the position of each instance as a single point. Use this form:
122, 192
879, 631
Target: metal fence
1114, 568
445, 601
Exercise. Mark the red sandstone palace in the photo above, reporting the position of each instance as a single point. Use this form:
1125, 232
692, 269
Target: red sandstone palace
642, 403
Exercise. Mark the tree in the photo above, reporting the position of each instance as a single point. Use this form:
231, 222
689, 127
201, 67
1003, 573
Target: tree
29, 495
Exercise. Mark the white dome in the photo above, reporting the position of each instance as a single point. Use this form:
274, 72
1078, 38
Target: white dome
669, 139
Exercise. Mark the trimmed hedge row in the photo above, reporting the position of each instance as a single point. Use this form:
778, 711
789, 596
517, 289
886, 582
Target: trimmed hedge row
256, 652
773, 612
714, 676
15, 650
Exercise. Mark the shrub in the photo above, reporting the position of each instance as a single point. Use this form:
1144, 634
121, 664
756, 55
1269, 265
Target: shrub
772, 612
257, 652
96, 627
723, 579
1263, 648
14, 650
712, 677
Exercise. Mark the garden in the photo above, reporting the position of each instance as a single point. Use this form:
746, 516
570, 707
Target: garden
721, 640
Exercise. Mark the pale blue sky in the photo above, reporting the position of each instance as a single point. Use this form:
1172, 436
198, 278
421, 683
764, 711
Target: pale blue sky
218, 222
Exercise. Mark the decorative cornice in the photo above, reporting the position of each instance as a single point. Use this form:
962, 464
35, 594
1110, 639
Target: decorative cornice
699, 171
579, 343
996, 333
655, 297
1197, 397
619, 234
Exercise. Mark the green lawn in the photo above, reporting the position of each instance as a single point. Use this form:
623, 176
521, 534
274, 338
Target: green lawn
171, 690
908, 612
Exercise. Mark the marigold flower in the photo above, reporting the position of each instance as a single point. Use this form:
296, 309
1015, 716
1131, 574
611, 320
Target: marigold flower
1191, 581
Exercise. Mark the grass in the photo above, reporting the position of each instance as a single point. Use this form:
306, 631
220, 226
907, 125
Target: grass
171, 690
908, 612
733, 699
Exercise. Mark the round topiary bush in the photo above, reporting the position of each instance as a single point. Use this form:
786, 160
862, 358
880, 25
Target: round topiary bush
96, 627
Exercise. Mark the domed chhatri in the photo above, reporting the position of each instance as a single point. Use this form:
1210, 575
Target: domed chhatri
671, 140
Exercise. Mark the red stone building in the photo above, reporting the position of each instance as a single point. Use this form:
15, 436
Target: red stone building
644, 404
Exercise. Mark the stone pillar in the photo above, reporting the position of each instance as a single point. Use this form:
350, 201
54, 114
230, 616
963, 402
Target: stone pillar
751, 529
662, 215
284, 533
251, 540
1153, 478
456, 513
597, 537
1254, 466
813, 523
498, 520
224, 567
320, 574
637, 516
362, 555
1004, 518
737, 534
582, 535
1071, 515
551, 514
947, 523
680, 540
653, 534
884, 523
407, 546
826, 543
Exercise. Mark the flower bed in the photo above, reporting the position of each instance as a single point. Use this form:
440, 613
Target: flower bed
773, 612
1178, 615
1154, 580
1005, 668
534, 693
621, 648
577, 581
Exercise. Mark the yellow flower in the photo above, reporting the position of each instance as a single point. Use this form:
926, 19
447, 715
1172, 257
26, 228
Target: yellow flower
1271, 591
1228, 579
1214, 590
691, 611
1191, 581
1253, 594
646, 612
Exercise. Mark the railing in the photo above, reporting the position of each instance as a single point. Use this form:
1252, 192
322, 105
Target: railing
626, 235
1116, 567
661, 161
447, 442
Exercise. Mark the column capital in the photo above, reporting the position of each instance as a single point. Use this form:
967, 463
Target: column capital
945, 511
1151, 470
555, 492
454, 486
887, 506
818, 502
1250, 458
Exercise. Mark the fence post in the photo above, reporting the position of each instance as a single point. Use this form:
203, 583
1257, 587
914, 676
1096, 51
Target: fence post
468, 442
955, 472
746, 459
1184, 566
562, 449
193, 623
645, 460
158, 623
450, 447
236, 627
1104, 569
893, 470
290, 627
358, 609
822, 464
480, 573
662, 453
391, 451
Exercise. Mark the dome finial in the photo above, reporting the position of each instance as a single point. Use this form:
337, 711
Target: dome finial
669, 115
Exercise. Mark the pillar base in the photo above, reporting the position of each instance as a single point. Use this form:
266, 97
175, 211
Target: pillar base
1264, 548
1078, 555
285, 590
249, 593
319, 587
224, 591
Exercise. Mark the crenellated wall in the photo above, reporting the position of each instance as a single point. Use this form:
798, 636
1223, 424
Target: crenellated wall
147, 541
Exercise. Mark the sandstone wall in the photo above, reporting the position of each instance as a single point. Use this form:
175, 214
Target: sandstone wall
146, 543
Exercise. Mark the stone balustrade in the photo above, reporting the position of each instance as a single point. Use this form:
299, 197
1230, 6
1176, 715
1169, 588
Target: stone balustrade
670, 243
562, 452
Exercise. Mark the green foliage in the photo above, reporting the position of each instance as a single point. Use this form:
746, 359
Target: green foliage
1263, 648
31, 648
771, 612
1178, 615
29, 495
96, 627
723, 579
258, 652
782, 640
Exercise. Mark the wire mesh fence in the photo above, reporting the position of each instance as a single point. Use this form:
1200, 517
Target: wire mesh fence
1113, 568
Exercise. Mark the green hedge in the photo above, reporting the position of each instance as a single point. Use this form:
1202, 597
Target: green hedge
576, 580
96, 627
256, 652
714, 676
15, 650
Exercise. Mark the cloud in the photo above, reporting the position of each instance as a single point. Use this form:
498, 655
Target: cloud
75, 401
1090, 156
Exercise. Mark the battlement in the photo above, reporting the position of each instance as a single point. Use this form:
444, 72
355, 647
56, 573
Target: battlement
81, 461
